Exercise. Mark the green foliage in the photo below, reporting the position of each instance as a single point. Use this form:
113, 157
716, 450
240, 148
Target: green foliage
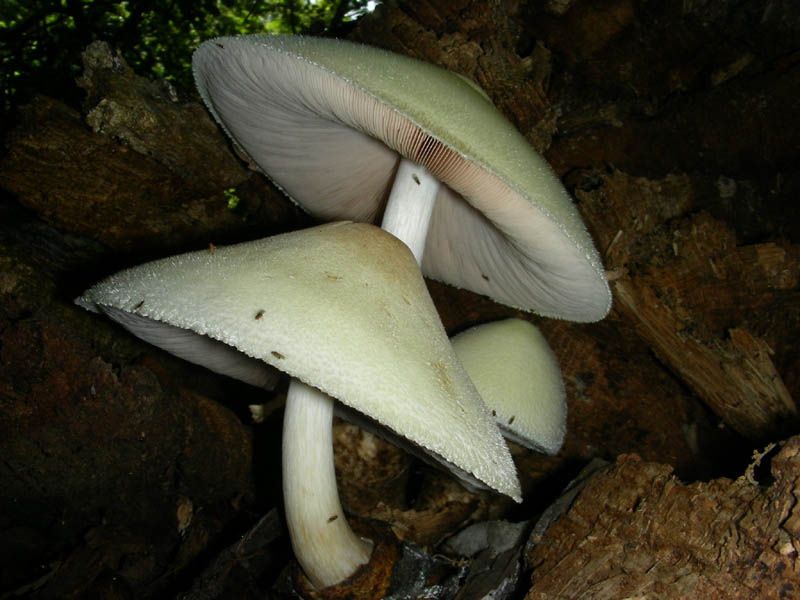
232, 198
41, 40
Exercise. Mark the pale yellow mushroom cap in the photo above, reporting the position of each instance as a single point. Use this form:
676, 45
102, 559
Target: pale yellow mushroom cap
518, 377
342, 307
328, 121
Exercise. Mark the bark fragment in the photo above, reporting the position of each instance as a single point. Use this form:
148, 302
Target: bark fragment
687, 287
636, 531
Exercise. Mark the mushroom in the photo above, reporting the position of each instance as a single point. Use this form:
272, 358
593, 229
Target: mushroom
517, 375
354, 132
344, 310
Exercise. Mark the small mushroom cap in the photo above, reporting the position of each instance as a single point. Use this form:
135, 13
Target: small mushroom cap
518, 377
328, 121
342, 307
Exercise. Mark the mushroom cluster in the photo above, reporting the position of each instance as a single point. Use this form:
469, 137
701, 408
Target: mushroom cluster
343, 309
352, 133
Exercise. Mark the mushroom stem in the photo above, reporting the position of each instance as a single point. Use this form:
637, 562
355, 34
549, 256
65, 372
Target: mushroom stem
325, 546
410, 205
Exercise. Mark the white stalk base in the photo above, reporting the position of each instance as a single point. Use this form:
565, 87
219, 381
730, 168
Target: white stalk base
410, 205
326, 548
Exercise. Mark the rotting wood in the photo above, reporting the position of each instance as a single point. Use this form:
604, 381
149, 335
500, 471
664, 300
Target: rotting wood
636, 531
735, 377
688, 289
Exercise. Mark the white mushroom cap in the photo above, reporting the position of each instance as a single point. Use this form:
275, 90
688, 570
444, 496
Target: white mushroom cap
518, 377
328, 121
343, 308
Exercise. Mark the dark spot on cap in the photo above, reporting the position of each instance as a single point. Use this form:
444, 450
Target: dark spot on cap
511, 420
332, 518
486, 277
138, 306
277, 354
259, 314
415, 178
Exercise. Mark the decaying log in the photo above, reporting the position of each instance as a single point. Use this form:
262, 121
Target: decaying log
735, 376
111, 461
143, 172
687, 288
636, 531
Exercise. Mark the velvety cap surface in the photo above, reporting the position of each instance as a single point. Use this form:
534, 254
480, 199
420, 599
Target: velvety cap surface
344, 308
328, 120
518, 377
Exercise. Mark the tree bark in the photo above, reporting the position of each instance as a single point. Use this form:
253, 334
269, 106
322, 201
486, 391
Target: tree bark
635, 530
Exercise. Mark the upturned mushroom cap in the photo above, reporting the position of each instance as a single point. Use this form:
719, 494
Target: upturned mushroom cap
328, 121
343, 308
518, 377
